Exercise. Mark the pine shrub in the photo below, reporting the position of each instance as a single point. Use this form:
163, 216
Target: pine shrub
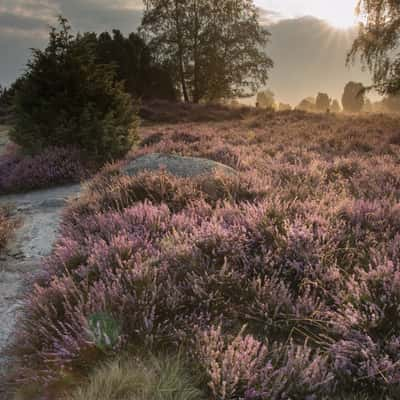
67, 98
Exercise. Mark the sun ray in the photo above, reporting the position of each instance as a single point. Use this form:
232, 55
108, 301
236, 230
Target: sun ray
339, 14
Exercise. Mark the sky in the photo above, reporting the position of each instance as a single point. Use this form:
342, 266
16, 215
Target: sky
309, 42
338, 13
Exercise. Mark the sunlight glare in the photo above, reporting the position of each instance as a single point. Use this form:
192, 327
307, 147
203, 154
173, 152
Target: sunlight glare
340, 14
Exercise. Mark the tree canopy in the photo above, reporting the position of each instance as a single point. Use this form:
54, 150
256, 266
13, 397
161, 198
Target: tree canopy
322, 102
378, 41
266, 99
136, 65
217, 48
335, 106
307, 104
353, 97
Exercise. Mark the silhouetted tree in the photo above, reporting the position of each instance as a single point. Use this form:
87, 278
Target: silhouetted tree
7, 94
7, 102
353, 97
3, 101
377, 43
307, 104
266, 99
67, 98
322, 102
284, 107
335, 106
217, 48
136, 65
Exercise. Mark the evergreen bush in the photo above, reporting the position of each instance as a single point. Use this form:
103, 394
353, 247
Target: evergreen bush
66, 98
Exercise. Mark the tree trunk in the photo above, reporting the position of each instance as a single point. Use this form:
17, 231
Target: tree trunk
180, 52
183, 83
196, 94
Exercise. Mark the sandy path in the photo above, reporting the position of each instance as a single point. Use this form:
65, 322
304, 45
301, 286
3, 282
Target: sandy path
39, 215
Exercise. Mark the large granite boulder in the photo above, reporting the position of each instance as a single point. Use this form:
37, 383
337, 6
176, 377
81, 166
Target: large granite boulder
176, 165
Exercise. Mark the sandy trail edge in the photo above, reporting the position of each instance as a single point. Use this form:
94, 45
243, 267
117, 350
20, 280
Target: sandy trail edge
39, 215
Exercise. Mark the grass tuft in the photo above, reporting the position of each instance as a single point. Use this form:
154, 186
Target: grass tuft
154, 378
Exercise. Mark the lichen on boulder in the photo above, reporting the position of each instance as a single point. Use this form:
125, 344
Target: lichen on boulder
179, 166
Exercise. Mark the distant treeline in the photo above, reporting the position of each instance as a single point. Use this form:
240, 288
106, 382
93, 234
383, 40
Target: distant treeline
354, 100
135, 64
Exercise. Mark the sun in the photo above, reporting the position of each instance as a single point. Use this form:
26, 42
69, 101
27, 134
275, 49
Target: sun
340, 14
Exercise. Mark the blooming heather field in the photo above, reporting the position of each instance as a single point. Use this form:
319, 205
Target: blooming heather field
280, 283
54, 166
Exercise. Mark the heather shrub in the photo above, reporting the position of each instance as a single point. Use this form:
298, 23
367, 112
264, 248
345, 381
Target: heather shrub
246, 368
6, 226
67, 99
293, 372
363, 365
159, 111
230, 367
110, 190
52, 166
190, 142
155, 272
151, 139
278, 283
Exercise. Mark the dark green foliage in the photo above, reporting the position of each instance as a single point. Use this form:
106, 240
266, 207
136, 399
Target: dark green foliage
7, 108
105, 330
7, 94
67, 98
143, 76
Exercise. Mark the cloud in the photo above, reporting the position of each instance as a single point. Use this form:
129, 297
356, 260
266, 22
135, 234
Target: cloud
24, 25
24, 16
100, 15
20, 25
268, 17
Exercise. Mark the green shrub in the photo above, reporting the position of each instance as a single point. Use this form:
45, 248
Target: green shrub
105, 330
67, 98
